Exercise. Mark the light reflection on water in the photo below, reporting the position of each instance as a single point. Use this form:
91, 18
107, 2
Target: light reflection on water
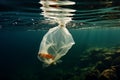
54, 10
79, 15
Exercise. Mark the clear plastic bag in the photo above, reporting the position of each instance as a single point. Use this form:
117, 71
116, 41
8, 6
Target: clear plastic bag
55, 44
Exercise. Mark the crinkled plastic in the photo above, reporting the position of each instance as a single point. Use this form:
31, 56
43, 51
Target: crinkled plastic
55, 44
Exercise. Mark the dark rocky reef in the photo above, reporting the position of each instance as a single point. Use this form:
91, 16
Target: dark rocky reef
106, 61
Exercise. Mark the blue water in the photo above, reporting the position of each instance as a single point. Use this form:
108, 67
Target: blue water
22, 27
19, 52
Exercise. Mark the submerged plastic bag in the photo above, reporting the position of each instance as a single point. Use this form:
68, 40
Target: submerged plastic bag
55, 44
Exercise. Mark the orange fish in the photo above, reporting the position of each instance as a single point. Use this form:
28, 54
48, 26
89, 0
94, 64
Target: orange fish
47, 56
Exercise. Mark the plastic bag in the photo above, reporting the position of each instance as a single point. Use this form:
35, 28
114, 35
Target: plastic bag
55, 44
